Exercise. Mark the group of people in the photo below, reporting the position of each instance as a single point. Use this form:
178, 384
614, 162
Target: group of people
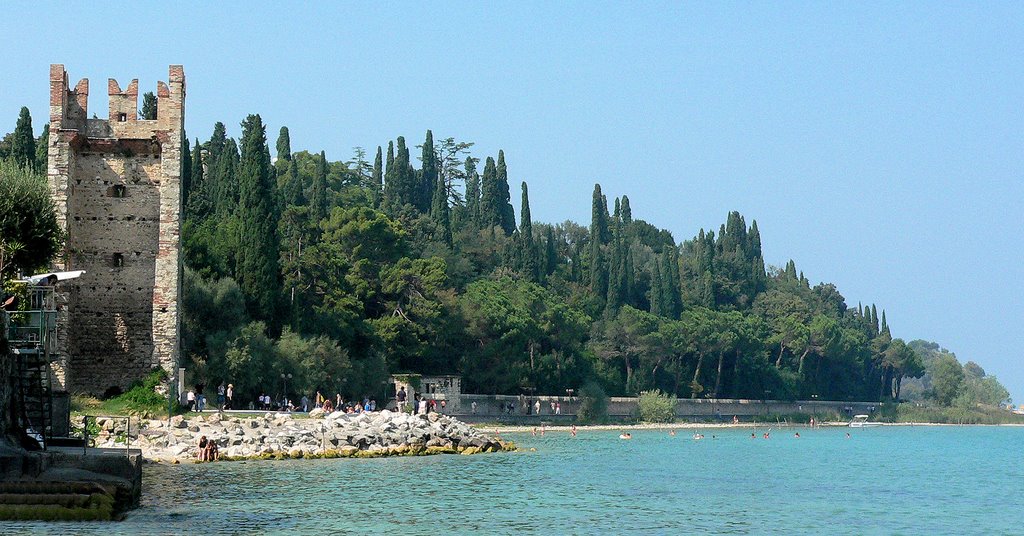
418, 405
338, 403
208, 450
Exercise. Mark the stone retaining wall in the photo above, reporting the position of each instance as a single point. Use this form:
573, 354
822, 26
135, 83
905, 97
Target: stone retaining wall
622, 407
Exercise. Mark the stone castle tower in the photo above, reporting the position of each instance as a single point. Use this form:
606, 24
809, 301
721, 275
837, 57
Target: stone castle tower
116, 185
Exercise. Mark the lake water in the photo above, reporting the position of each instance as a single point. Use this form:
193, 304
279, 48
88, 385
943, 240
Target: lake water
888, 480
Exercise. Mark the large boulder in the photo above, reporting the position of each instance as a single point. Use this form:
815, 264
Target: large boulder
317, 413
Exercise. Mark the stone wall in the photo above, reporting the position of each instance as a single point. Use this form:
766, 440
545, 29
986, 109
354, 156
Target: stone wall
491, 406
116, 184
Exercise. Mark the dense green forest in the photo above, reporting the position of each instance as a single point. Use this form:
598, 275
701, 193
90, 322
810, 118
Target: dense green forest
342, 272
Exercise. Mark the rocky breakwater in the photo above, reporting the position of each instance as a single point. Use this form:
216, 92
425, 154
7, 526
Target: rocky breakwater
281, 435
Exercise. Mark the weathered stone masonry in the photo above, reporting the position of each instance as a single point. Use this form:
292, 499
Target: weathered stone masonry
116, 184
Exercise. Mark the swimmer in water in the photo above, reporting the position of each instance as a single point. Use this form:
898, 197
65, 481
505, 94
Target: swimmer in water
797, 435
534, 431
847, 435
753, 435
573, 431
672, 433
626, 435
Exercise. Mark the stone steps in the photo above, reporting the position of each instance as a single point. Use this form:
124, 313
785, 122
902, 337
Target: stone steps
56, 501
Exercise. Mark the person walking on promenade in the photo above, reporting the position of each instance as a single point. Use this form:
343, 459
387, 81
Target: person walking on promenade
536, 407
230, 394
220, 396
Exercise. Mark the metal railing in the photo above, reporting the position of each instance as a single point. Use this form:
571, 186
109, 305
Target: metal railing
89, 441
34, 321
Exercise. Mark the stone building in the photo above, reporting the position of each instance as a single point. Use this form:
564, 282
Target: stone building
116, 185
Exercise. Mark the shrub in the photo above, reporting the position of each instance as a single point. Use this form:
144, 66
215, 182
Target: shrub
593, 404
656, 406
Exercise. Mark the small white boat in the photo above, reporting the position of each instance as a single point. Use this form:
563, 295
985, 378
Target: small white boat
861, 421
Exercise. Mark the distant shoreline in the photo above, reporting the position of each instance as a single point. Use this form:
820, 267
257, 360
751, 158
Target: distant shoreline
503, 429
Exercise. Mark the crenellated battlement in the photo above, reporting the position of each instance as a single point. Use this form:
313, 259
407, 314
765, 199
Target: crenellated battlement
116, 186
69, 108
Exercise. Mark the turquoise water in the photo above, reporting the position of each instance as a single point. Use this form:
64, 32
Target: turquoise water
889, 480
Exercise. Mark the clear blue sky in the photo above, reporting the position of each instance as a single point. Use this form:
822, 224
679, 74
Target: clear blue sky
879, 145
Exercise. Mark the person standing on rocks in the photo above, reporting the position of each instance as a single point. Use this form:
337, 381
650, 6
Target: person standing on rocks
400, 399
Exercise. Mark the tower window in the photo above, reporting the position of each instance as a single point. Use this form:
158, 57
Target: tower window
117, 190
117, 260
122, 117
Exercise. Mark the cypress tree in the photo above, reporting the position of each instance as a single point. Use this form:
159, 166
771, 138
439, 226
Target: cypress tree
217, 142
186, 171
440, 212
428, 176
628, 276
390, 184
284, 145
530, 266
472, 192
525, 221
550, 252
403, 177
614, 299
671, 292
42, 146
490, 214
707, 290
197, 165
293, 194
627, 213
256, 269
657, 288
504, 204
149, 106
754, 239
318, 191
199, 203
874, 319
791, 269
885, 325
224, 179
23, 142
377, 178
598, 272
599, 217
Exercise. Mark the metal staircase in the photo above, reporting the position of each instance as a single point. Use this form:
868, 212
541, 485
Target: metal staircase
31, 336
